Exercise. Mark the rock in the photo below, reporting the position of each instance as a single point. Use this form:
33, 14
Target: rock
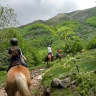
72, 88
65, 83
91, 93
73, 82
39, 77
61, 83
45, 91
55, 82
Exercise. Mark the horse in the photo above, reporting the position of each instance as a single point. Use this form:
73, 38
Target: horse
18, 81
59, 56
48, 59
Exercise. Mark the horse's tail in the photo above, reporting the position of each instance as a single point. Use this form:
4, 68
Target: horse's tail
22, 85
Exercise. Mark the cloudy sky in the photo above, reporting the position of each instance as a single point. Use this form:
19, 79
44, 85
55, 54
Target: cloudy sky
29, 10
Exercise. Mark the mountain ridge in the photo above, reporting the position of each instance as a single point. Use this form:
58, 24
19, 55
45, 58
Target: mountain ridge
79, 15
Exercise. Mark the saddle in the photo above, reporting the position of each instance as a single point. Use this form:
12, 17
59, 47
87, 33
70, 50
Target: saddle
50, 53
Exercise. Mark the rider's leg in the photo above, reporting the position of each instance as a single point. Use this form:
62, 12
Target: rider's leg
23, 63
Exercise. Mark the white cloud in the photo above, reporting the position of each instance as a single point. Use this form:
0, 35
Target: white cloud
30, 10
84, 4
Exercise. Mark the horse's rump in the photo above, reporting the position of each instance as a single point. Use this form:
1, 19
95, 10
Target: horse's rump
18, 79
58, 55
49, 56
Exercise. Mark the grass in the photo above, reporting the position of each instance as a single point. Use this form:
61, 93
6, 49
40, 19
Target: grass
36, 67
2, 77
59, 92
55, 71
35, 92
86, 62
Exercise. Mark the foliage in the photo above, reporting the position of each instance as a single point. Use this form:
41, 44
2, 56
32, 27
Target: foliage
85, 79
92, 43
86, 82
68, 32
64, 32
5, 43
73, 45
91, 21
36, 29
7, 17
29, 52
2, 77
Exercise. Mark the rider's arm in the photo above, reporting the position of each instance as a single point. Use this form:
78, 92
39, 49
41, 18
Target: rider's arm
10, 52
21, 55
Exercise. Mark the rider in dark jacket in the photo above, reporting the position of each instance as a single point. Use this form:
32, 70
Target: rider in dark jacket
15, 53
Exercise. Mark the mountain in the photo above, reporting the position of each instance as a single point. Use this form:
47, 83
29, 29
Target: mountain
79, 15
81, 21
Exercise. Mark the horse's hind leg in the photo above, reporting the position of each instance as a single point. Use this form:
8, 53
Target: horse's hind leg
11, 94
47, 64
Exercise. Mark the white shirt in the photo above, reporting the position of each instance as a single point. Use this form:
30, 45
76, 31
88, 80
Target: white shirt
49, 50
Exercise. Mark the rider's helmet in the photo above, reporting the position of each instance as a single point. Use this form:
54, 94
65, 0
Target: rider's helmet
14, 42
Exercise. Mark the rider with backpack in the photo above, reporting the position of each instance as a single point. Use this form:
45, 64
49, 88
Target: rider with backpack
15, 53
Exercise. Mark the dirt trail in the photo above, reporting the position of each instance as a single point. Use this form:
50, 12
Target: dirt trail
2, 92
36, 76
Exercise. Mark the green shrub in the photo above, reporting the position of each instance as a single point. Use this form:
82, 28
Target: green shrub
73, 46
92, 43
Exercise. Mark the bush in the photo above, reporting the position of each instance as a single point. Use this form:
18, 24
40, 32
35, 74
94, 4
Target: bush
73, 46
92, 43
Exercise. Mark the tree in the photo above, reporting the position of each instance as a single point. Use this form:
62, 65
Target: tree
7, 20
72, 43
7, 17
64, 32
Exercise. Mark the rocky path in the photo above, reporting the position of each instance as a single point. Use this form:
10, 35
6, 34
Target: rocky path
36, 76
2, 92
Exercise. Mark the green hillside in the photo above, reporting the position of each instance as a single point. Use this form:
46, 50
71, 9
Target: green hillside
79, 15
84, 79
70, 35
80, 21
73, 33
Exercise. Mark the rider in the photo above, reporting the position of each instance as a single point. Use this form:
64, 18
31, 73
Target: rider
58, 51
50, 50
15, 53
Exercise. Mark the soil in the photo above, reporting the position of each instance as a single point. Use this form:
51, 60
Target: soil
36, 76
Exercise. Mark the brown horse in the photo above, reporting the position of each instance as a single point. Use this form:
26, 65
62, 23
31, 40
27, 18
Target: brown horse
48, 59
59, 56
18, 81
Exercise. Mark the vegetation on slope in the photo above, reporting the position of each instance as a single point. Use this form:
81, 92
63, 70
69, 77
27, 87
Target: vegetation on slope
85, 79
70, 32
